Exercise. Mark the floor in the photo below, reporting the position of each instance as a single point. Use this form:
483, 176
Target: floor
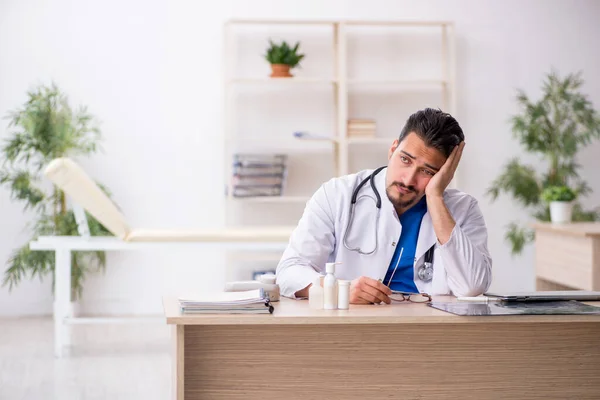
125, 361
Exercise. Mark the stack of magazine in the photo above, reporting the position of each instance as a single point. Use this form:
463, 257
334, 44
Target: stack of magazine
257, 175
245, 302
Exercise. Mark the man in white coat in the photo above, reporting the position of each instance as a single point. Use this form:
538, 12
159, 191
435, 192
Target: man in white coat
402, 216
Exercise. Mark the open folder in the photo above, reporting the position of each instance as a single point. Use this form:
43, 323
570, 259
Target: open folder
72, 179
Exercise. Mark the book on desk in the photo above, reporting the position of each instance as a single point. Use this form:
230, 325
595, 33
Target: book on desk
246, 302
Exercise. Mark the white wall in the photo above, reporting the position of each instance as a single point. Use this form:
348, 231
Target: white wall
151, 72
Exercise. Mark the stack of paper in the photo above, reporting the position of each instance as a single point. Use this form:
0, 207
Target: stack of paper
246, 302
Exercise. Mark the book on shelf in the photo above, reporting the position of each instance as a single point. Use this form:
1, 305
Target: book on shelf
257, 191
361, 128
361, 121
361, 133
245, 302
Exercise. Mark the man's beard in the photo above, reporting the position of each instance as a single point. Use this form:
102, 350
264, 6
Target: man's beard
398, 201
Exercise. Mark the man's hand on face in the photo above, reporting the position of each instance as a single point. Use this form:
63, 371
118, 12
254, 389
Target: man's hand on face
440, 181
366, 290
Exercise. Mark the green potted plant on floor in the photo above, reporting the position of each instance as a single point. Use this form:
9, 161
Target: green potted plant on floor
560, 199
283, 58
554, 127
45, 128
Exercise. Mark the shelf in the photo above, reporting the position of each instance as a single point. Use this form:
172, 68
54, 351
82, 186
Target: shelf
396, 82
263, 113
404, 23
324, 81
271, 199
244, 21
376, 140
248, 21
317, 139
282, 81
293, 149
254, 256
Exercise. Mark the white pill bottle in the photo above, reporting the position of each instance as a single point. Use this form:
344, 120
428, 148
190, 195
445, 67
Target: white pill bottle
330, 288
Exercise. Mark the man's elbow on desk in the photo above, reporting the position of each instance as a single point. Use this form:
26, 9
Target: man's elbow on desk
475, 288
295, 280
470, 292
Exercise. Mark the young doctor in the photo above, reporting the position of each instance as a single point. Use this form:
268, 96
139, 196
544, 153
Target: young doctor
402, 229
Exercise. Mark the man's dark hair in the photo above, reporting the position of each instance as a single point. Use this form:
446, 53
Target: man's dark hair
437, 129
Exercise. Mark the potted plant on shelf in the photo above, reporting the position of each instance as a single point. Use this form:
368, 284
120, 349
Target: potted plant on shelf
283, 58
560, 198
45, 128
555, 127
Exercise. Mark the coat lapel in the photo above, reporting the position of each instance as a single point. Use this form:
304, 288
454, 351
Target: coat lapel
389, 229
426, 238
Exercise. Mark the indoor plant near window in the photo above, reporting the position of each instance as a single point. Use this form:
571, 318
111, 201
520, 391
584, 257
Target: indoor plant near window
560, 199
45, 128
282, 58
555, 128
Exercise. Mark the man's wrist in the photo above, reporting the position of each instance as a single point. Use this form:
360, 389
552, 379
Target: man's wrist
442, 220
434, 196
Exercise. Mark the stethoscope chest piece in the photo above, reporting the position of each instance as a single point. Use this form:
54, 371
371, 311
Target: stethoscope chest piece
426, 272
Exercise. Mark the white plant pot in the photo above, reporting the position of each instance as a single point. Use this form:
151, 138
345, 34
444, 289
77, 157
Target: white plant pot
561, 211
74, 308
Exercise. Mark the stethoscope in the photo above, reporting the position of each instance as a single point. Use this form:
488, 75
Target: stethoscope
425, 271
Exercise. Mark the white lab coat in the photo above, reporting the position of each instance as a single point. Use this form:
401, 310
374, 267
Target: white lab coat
462, 266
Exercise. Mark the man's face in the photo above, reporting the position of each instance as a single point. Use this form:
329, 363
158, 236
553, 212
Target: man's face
411, 164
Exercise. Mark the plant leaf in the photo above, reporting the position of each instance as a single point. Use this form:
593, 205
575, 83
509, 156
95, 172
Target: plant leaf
22, 188
518, 237
45, 127
580, 215
24, 263
519, 181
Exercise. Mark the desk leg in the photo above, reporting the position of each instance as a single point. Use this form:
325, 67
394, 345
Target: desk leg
177, 361
62, 300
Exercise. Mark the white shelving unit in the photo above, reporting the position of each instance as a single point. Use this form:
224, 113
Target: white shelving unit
382, 70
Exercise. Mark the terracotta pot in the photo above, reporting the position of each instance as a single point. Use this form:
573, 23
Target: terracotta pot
280, 71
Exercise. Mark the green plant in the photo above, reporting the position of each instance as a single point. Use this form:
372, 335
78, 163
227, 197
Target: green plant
46, 128
558, 193
555, 128
284, 54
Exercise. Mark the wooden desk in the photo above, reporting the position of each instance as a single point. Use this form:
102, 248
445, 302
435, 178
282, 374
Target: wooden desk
400, 351
567, 256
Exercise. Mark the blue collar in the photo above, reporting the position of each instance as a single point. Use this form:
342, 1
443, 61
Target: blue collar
419, 208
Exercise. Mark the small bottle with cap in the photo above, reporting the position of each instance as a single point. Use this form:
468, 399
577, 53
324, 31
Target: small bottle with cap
330, 292
315, 294
343, 294
270, 285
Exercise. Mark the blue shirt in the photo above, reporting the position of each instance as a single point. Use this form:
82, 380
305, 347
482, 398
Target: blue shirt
411, 223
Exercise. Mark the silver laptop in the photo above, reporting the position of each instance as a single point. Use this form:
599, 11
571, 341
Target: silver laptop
553, 295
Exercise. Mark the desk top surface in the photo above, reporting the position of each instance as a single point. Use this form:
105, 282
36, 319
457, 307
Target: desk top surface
573, 228
294, 312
